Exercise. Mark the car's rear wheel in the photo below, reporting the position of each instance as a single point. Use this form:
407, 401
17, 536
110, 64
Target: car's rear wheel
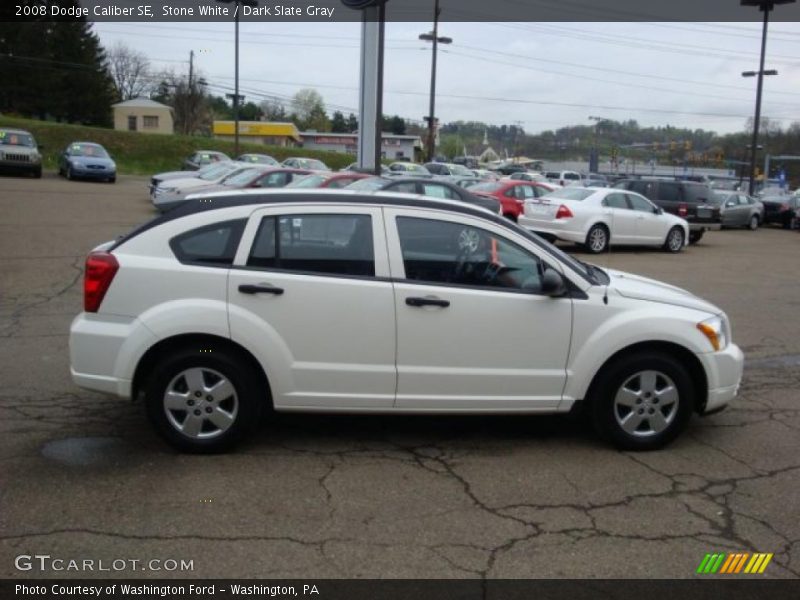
597, 239
675, 240
753, 224
204, 400
696, 236
643, 401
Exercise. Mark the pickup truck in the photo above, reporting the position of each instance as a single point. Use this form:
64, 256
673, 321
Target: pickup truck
687, 199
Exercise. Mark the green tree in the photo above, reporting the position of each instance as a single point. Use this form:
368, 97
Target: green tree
56, 70
352, 123
338, 123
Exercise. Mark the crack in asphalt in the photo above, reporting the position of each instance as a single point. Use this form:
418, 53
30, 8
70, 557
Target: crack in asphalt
707, 500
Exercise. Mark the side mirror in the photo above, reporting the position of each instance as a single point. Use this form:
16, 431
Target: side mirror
658, 210
730, 203
553, 284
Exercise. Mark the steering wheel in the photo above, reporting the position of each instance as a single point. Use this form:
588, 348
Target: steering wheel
461, 263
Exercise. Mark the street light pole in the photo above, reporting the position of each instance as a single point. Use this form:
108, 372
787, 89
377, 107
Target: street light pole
766, 7
433, 37
236, 98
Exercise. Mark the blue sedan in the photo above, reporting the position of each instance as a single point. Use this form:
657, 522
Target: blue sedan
86, 160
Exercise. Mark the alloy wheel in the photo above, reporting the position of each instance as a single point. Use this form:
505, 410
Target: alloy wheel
201, 403
646, 403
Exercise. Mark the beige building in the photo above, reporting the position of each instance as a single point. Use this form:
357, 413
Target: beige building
144, 115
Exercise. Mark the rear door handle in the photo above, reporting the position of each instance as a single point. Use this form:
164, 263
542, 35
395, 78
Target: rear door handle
427, 301
260, 289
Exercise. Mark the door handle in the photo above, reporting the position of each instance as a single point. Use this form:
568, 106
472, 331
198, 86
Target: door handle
428, 301
260, 289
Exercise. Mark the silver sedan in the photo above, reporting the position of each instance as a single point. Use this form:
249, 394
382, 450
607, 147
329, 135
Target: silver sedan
739, 209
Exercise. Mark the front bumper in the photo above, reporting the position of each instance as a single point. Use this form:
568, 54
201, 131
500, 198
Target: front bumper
724, 374
85, 173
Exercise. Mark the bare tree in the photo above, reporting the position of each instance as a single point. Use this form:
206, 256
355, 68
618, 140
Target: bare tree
130, 71
188, 99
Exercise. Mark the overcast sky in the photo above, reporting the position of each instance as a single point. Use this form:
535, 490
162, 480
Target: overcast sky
540, 75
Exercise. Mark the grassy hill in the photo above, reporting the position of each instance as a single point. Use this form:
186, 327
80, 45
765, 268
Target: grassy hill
145, 154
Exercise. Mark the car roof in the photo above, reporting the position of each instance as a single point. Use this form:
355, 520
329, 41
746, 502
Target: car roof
260, 196
14, 130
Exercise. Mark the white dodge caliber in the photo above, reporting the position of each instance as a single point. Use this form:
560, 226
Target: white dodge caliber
332, 301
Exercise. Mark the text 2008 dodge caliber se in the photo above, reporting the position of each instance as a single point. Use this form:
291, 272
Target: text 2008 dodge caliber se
379, 302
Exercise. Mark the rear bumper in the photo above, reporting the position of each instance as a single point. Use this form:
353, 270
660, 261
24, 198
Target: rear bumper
705, 226
563, 230
104, 351
724, 374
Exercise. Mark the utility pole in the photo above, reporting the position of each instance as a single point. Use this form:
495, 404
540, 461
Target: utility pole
433, 37
766, 7
191, 70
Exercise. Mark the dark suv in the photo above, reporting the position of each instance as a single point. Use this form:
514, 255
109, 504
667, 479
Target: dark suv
687, 199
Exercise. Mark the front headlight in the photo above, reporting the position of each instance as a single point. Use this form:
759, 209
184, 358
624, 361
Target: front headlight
716, 330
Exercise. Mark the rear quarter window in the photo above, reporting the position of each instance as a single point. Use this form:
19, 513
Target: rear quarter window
214, 244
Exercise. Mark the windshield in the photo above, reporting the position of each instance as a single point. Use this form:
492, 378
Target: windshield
309, 181
460, 170
310, 163
367, 185
242, 177
94, 150
217, 171
570, 193
489, 187
262, 159
8, 138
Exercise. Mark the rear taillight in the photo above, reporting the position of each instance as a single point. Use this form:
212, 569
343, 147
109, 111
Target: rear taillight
100, 270
564, 213
683, 210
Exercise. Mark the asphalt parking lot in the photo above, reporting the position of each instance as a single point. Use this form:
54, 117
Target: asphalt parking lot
83, 476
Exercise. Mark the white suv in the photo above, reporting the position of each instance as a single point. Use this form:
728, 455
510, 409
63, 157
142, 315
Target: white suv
352, 302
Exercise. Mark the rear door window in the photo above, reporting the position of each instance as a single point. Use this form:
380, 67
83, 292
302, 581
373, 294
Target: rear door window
332, 244
669, 192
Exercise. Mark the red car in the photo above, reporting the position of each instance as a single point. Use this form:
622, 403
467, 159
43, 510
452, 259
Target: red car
327, 180
512, 193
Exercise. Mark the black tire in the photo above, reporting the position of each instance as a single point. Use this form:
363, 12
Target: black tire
788, 222
696, 236
112, 179
246, 404
754, 222
69, 174
597, 239
675, 240
606, 413
37, 173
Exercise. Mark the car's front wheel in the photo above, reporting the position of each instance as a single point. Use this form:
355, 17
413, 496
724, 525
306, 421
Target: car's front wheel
643, 401
204, 400
675, 240
753, 224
